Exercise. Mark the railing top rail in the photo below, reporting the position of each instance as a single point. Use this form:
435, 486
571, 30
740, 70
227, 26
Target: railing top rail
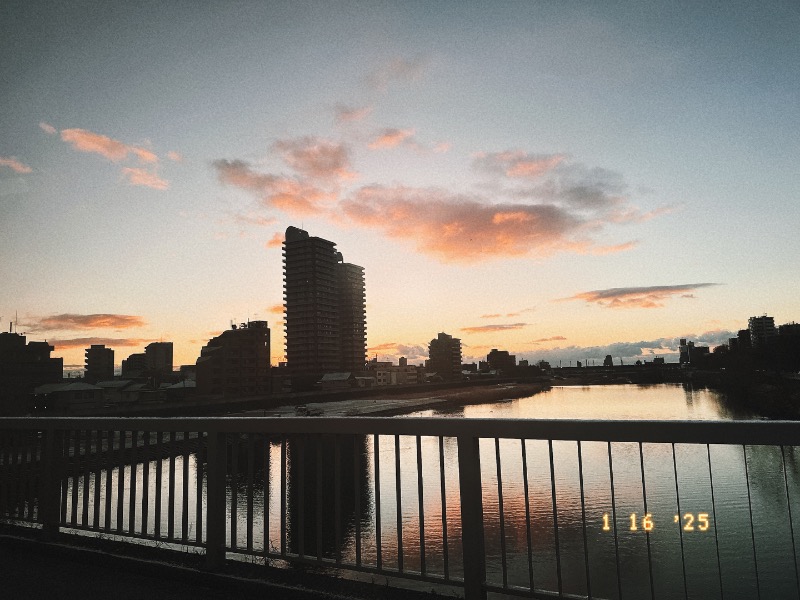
698, 432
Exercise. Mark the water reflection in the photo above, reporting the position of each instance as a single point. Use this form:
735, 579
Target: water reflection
393, 501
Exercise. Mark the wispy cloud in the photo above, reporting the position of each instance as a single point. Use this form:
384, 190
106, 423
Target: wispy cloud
276, 241
142, 177
465, 229
117, 151
316, 158
175, 156
494, 328
73, 322
67, 344
400, 70
276, 309
555, 338
47, 128
349, 114
283, 193
391, 138
637, 297
96, 143
518, 164
15, 165
511, 314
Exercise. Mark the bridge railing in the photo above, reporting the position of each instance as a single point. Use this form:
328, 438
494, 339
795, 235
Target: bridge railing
534, 508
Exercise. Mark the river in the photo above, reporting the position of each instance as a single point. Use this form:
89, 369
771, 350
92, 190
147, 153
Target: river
683, 531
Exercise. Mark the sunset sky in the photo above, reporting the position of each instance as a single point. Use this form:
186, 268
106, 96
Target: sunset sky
561, 180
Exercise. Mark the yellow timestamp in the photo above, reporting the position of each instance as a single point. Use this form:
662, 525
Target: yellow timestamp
688, 522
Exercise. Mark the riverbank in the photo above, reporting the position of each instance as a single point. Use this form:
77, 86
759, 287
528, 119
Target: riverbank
389, 404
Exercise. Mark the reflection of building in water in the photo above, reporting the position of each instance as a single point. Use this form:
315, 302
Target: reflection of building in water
312, 509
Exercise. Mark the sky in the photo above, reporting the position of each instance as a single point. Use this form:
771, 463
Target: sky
560, 180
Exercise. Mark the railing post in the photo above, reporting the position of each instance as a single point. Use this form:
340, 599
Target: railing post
472, 542
215, 504
52, 461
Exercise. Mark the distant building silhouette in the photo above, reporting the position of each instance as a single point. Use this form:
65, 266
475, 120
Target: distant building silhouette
444, 357
501, 360
158, 357
23, 367
134, 366
324, 301
236, 363
762, 331
99, 363
689, 354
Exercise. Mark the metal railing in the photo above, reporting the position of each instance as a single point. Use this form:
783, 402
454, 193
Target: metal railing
534, 508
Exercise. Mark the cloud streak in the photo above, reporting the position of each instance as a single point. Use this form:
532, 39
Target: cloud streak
15, 165
494, 328
391, 138
144, 178
518, 164
637, 297
73, 322
96, 143
72, 343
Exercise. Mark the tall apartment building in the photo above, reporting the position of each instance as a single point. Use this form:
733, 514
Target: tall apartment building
236, 363
762, 331
99, 363
324, 300
444, 356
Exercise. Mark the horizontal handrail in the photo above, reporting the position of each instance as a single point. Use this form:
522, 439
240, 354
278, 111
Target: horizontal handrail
760, 432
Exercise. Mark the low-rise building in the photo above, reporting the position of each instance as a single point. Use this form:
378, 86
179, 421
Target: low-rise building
236, 363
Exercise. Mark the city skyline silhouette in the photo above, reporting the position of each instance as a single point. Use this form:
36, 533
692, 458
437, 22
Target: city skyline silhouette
559, 182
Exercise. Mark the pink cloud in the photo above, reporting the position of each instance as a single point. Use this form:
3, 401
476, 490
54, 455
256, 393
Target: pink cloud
518, 164
12, 163
47, 128
86, 141
286, 194
390, 138
144, 178
175, 156
96, 143
276, 241
72, 321
458, 229
316, 158
637, 297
